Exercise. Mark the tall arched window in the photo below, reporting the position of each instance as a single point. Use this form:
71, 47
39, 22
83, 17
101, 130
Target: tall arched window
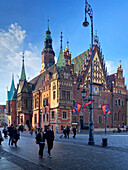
118, 116
116, 102
115, 117
106, 102
119, 102
122, 117
100, 104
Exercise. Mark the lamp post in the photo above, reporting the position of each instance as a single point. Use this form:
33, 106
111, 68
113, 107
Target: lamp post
39, 109
83, 92
88, 10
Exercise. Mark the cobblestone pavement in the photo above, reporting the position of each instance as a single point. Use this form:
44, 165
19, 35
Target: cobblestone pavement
70, 153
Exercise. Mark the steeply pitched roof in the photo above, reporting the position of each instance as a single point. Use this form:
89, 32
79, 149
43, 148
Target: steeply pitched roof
79, 62
11, 93
38, 81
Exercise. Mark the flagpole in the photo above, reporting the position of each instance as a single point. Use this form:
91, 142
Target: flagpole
105, 122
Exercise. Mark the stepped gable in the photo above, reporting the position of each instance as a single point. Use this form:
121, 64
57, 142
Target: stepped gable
82, 67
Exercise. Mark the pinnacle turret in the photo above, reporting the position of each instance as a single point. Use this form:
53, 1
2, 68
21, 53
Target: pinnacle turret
23, 75
61, 60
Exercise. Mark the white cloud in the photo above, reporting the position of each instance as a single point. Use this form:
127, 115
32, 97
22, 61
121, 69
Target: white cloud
111, 67
11, 48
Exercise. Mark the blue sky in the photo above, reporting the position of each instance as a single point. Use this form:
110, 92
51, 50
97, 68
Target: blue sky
23, 24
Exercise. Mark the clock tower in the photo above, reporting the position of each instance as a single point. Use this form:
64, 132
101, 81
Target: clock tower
47, 53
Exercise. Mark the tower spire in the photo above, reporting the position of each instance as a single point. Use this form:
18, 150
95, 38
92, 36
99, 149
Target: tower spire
23, 75
61, 60
67, 47
48, 39
48, 23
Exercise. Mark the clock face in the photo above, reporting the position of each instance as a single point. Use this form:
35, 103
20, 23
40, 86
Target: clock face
96, 90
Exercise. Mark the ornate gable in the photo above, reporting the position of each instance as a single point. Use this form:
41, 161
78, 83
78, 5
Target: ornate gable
99, 71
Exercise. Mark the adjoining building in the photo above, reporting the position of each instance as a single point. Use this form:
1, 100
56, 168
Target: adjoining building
3, 116
50, 96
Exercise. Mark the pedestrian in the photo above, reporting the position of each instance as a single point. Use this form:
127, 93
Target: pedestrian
74, 132
1, 138
31, 131
5, 131
35, 129
50, 139
65, 132
10, 131
68, 131
16, 136
40, 139
21, 128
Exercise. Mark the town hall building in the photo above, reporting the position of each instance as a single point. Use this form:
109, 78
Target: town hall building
50, 96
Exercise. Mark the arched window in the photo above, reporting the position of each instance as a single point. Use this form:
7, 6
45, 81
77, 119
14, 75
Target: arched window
106, 102
122, 117
118, 116
115, 117
119, 102
122, 103
100, 119
116, 102
100, 104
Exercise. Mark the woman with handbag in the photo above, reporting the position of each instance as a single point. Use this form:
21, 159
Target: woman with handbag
40, 139
1, 138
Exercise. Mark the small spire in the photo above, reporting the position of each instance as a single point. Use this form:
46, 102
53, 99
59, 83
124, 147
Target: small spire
23, 57
67, 47
61, 40
48, 23
23, 76
120, 64
61, 60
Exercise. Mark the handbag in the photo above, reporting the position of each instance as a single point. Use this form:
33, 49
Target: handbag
37, 142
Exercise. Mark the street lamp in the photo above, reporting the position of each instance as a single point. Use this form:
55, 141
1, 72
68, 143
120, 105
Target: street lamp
88, 10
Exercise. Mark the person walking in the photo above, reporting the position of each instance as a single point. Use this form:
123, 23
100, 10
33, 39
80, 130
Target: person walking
31, 130
10, 131
74, 132
40, 139
16, 136
68, 131
50, 139
65, 133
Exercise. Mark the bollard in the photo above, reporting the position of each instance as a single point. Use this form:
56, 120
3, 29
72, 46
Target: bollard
104, 142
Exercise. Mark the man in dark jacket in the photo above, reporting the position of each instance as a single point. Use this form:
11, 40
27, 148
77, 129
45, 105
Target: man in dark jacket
10, 131
74, 132
40, 139
16, 136
68, 130
50, 139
